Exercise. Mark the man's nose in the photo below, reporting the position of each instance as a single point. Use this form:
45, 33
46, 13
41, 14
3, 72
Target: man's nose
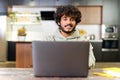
69, 21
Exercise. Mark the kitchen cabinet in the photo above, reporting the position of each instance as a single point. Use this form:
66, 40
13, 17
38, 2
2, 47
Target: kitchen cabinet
23, 2
47, 2
104, 56
110, 56
97, 46
11, 51
63, 2
31, 2
23, 54
3, 7
91, 14
40, 2
14, 2
111, 14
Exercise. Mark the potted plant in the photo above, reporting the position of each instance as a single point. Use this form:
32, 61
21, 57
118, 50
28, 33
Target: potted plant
22, 34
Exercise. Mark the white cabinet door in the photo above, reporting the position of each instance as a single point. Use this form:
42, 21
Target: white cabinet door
110, 12
63, 2
3, 42
47, 2
32, 2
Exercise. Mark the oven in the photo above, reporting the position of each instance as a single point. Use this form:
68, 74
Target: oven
110, 38
110, 44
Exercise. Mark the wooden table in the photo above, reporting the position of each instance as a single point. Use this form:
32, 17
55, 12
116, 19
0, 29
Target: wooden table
27, 74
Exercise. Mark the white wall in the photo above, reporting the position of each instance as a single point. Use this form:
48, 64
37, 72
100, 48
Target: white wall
35, 32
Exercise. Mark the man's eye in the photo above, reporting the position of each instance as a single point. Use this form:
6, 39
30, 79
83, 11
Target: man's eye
72, 19
65, 19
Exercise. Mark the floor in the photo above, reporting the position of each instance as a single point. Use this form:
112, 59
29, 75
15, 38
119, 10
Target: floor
11, 64
107, 64
7, 64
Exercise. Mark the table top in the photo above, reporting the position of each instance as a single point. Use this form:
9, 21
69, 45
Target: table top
27, 74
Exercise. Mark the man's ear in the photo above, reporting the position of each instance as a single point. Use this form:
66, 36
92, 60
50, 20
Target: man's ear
58, 23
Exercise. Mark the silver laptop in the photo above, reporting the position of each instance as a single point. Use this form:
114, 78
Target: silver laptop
60, 59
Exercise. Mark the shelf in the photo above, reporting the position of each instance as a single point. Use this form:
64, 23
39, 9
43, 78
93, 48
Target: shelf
26, 15
24, 23
24, 19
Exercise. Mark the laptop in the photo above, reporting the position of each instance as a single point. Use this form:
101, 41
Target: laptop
60, 58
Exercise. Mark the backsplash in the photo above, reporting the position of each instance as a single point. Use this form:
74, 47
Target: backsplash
91, 29
35, 32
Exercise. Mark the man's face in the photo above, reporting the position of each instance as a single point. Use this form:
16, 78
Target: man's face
67, 24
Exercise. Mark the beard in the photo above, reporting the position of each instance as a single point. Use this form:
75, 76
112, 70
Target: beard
67, 32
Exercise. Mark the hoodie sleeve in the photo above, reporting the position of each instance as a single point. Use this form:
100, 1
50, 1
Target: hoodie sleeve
91, 57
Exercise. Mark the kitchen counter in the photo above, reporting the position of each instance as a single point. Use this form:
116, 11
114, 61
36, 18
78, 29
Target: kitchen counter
27, 74
40, 40
23, 49
95, 40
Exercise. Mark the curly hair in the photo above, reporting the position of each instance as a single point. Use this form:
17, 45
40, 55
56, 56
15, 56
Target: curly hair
69, 11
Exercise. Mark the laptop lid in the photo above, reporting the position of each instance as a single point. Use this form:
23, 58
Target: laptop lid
60, 59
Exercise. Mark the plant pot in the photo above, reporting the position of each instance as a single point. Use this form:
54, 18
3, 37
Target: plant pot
21, 38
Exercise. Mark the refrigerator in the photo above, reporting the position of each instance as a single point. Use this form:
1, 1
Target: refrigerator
3, 40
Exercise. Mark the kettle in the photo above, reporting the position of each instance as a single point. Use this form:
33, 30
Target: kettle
92, 37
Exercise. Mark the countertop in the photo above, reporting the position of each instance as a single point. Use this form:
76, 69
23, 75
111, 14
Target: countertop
40, 40
95, 40
27, 74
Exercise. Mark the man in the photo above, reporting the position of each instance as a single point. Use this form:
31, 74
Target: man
67, 17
